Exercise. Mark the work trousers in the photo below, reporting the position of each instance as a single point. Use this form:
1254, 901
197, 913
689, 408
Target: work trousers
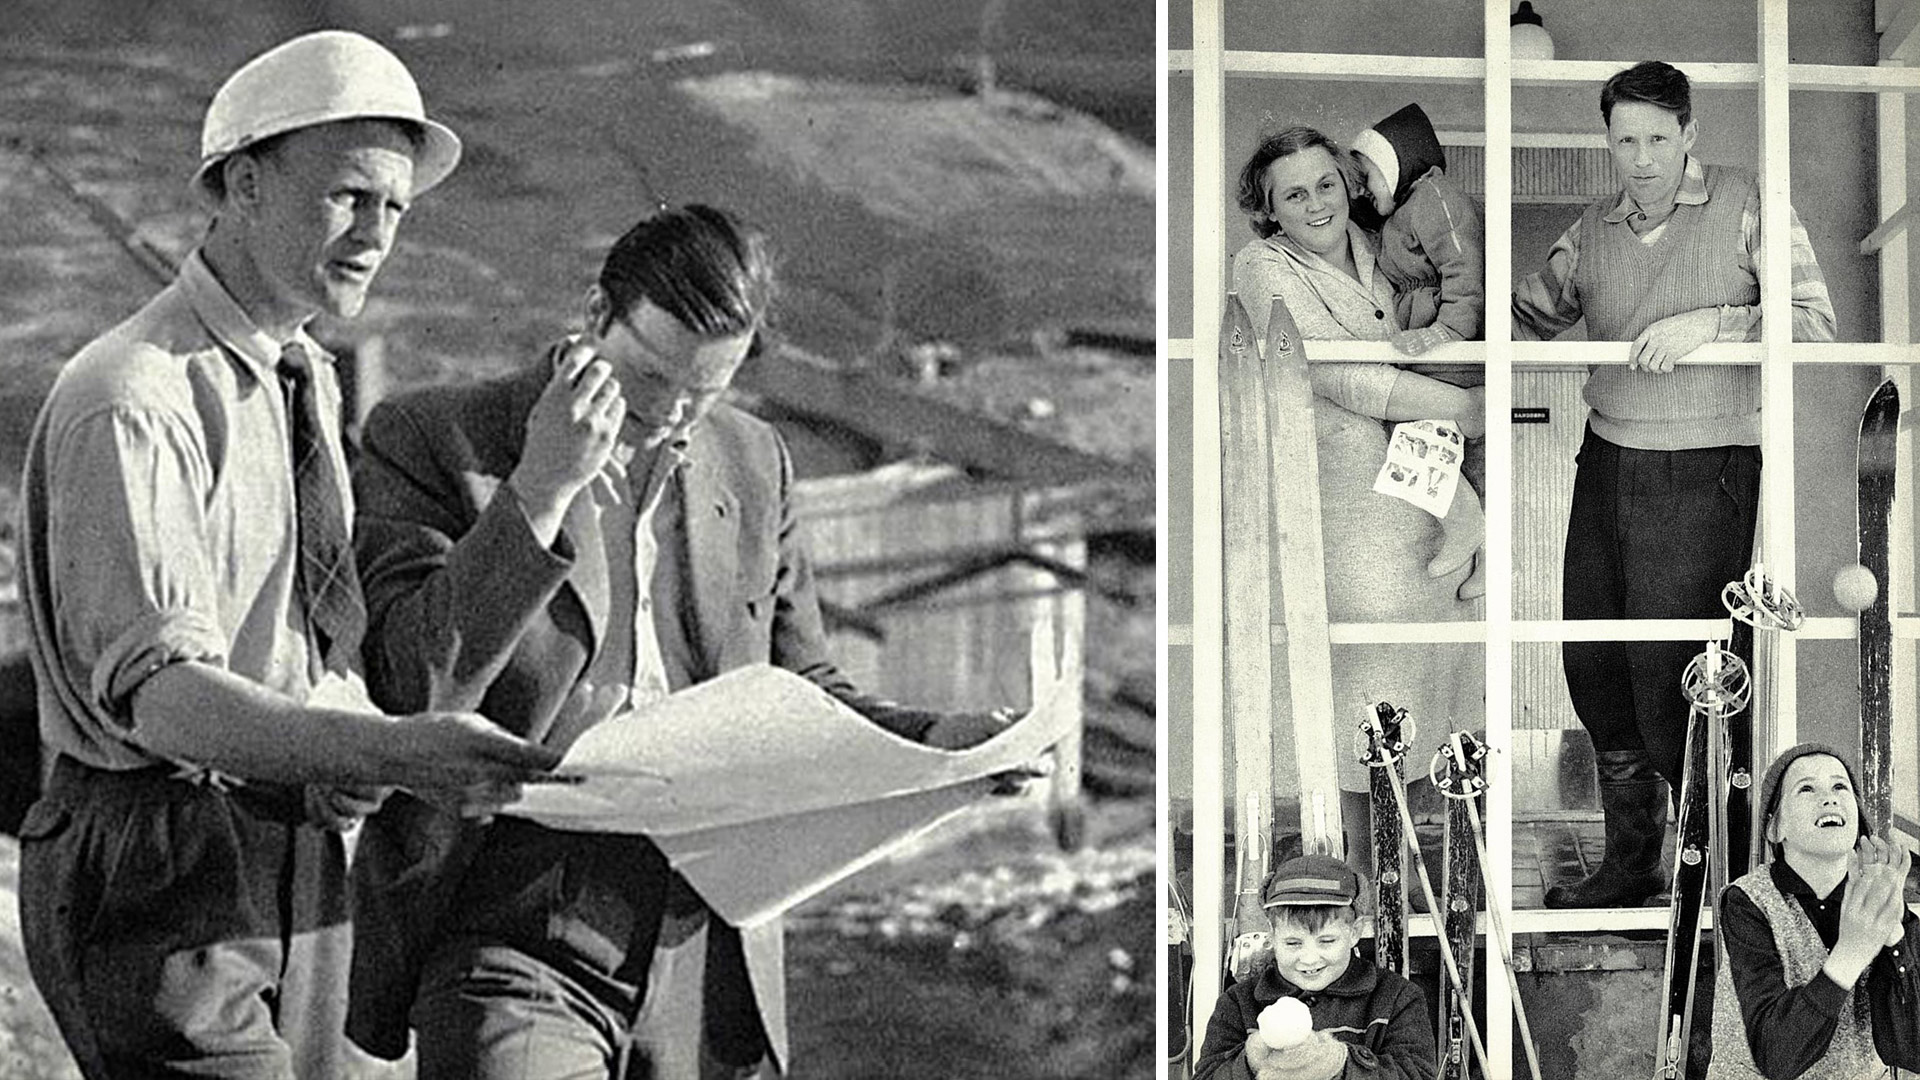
1653, 534
178, 930
575, 957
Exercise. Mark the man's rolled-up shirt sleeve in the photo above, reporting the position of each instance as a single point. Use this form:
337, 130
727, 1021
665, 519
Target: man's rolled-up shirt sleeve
134, 583
1547, 303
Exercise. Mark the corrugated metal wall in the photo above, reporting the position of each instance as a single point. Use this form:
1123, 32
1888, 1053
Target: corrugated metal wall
1541, 174
1543, 489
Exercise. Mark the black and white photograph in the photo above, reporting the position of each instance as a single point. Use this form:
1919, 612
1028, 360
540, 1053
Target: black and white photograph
1600, 761
578, 539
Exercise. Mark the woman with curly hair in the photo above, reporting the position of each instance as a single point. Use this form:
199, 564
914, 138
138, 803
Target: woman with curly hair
1295, 190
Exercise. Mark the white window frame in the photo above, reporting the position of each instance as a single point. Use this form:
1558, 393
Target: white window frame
1210, 63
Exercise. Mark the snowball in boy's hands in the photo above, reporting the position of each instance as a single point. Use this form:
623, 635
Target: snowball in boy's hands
1319, 1056
1285, 1023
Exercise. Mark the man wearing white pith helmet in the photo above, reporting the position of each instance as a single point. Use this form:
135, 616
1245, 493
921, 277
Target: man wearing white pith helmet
195, 614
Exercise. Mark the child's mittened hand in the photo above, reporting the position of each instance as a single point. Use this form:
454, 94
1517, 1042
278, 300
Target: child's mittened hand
1320, 1057
1416, 342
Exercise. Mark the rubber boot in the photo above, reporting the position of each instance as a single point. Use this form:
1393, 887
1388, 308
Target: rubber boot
1634, 799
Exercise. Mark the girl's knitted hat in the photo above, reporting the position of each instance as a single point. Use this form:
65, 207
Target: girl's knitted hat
1776, 773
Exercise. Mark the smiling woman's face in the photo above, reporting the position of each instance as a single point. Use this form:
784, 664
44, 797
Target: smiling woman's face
1307, 197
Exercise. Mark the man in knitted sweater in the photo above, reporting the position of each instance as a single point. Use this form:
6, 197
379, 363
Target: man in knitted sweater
1668, 483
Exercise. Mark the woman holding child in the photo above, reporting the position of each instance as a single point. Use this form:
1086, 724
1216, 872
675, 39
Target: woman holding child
1387, 560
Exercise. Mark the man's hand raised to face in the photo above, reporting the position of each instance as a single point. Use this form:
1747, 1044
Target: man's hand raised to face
570, 432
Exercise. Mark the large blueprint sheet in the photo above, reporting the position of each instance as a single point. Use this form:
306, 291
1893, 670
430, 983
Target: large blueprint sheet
762, 789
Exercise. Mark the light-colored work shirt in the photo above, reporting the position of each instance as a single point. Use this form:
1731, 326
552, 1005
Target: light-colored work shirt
158, 518
638, 507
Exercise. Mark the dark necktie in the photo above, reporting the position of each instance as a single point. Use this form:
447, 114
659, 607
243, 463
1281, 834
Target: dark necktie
328, 581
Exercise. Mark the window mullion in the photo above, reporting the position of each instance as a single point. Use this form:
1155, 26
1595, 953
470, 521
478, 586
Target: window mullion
1778, 550
1499, 519
1209, 639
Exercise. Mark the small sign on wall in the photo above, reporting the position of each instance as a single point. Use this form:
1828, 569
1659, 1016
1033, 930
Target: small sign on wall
1532, 414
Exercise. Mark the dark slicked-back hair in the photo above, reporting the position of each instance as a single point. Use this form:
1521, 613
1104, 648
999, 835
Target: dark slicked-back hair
705, 267
1651, 82
1252, 196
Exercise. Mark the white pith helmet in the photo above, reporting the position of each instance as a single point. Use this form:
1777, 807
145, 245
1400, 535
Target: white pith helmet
319, 78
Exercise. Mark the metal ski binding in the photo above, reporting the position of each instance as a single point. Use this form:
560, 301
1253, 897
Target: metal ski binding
1459, 779
1384, 736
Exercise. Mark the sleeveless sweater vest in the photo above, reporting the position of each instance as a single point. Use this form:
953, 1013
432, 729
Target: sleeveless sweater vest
1850, 1056
1626, 285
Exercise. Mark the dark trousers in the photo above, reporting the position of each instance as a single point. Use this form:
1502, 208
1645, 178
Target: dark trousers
177, 931
492, 1012
1653, 534
577, 957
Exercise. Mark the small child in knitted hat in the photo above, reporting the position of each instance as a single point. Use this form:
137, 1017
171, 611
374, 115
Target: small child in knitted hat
1432, 244
1433, 250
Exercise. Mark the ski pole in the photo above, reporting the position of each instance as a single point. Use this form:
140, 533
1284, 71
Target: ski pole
1473, 784
1670, 1051
1715, 683
1379, 756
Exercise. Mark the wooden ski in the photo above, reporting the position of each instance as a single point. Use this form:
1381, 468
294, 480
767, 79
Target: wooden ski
1383, 745
1459, 900
1246, 570
1295, 475
1879, 431
1458, 772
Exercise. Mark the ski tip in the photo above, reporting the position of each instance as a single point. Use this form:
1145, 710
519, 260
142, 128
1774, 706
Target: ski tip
1883, 405
1282, 332
1236, 329
1879, 426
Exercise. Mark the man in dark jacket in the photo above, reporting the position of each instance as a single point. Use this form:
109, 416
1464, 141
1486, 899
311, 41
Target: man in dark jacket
597, 522
1366, 1021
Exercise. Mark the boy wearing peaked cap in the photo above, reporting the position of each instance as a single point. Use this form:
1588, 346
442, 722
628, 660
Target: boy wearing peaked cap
196, 617
1367, 1021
